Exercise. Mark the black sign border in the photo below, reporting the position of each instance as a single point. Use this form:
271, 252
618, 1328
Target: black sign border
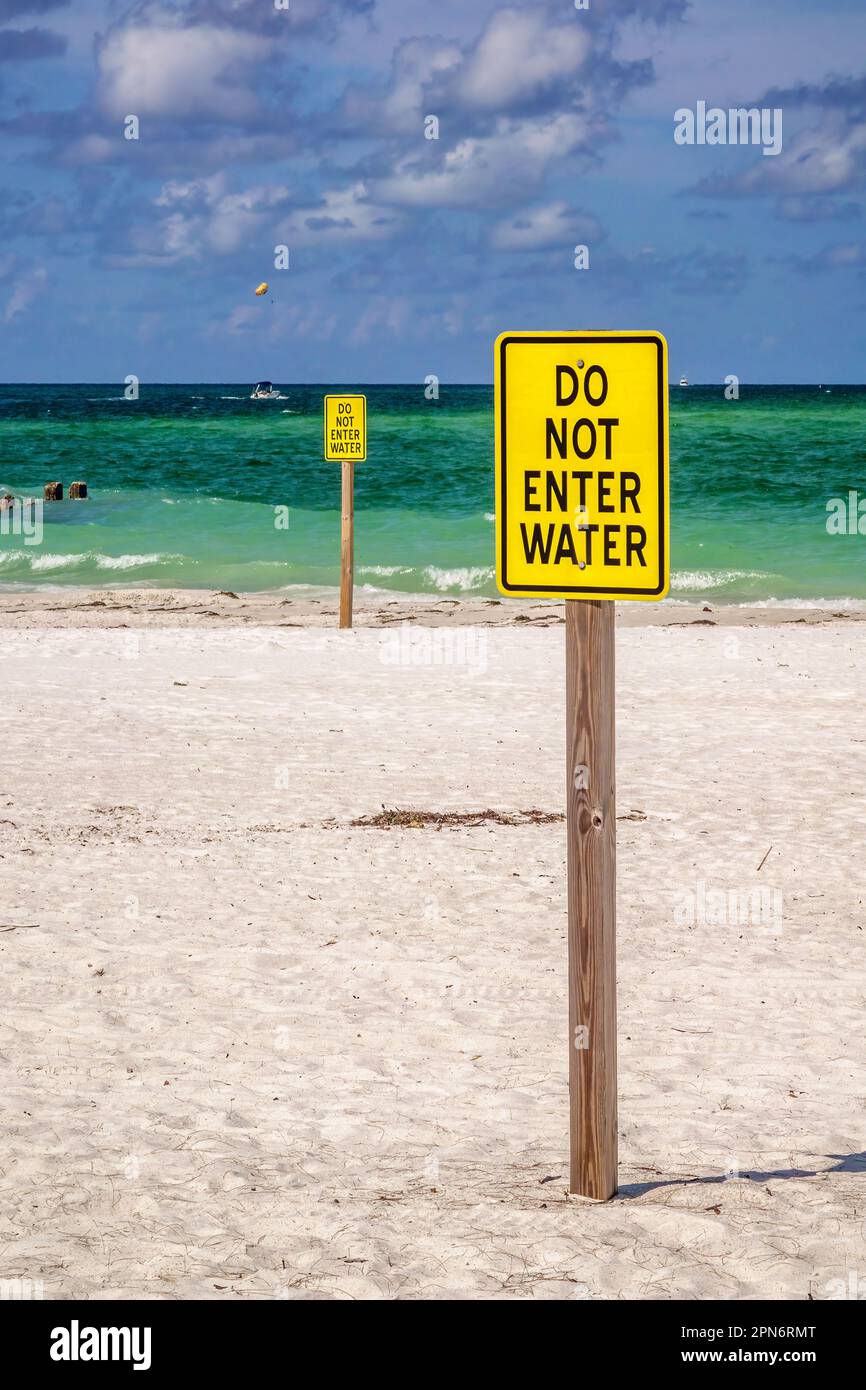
577, 589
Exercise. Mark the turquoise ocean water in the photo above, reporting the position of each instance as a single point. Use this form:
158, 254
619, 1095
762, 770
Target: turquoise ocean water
185, 480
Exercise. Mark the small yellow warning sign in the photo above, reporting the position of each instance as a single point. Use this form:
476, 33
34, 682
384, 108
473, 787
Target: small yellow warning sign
346, 427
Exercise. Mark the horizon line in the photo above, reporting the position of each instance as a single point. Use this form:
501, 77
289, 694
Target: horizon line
375, 384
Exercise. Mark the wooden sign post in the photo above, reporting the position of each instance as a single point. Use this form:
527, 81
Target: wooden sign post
345, 430
347, 544
590, 694
582, 514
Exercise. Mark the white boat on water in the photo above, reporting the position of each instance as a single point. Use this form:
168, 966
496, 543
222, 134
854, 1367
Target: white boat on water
683, 381
265, 391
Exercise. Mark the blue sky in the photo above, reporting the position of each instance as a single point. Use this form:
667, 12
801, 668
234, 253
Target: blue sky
305, 127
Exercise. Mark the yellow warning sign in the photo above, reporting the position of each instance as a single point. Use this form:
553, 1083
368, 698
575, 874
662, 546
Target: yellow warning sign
346, 427
582, 465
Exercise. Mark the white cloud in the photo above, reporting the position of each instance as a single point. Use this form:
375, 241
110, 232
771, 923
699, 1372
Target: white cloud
168, 70
24, 291
847, 254
518, 55
417, 63
520, 59
554, 224
825, 159
245, 316
818, 161
485, 169
386, 312
238, 216
90, 149
201, 215
344, 214
314, 321
193, 192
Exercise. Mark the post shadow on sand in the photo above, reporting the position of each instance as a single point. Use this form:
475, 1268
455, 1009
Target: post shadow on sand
847, 1163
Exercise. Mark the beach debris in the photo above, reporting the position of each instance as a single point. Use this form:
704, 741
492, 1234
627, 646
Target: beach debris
633, 815
78, 490
19, 926
542, 618
764, 860
53, 492
225, 593
416, 820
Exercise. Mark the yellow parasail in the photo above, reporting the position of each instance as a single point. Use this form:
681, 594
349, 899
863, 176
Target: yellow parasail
263, 288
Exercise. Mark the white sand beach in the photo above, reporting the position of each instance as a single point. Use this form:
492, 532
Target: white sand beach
251, 1050
68, 607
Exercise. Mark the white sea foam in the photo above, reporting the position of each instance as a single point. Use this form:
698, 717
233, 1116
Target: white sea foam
386, 569
41, 564
463, 578
712, 579
55, 562
131, 562
854, 605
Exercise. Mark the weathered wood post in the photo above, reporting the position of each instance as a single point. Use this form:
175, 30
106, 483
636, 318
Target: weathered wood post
77, 489
591, 833
53, 492
347, 544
